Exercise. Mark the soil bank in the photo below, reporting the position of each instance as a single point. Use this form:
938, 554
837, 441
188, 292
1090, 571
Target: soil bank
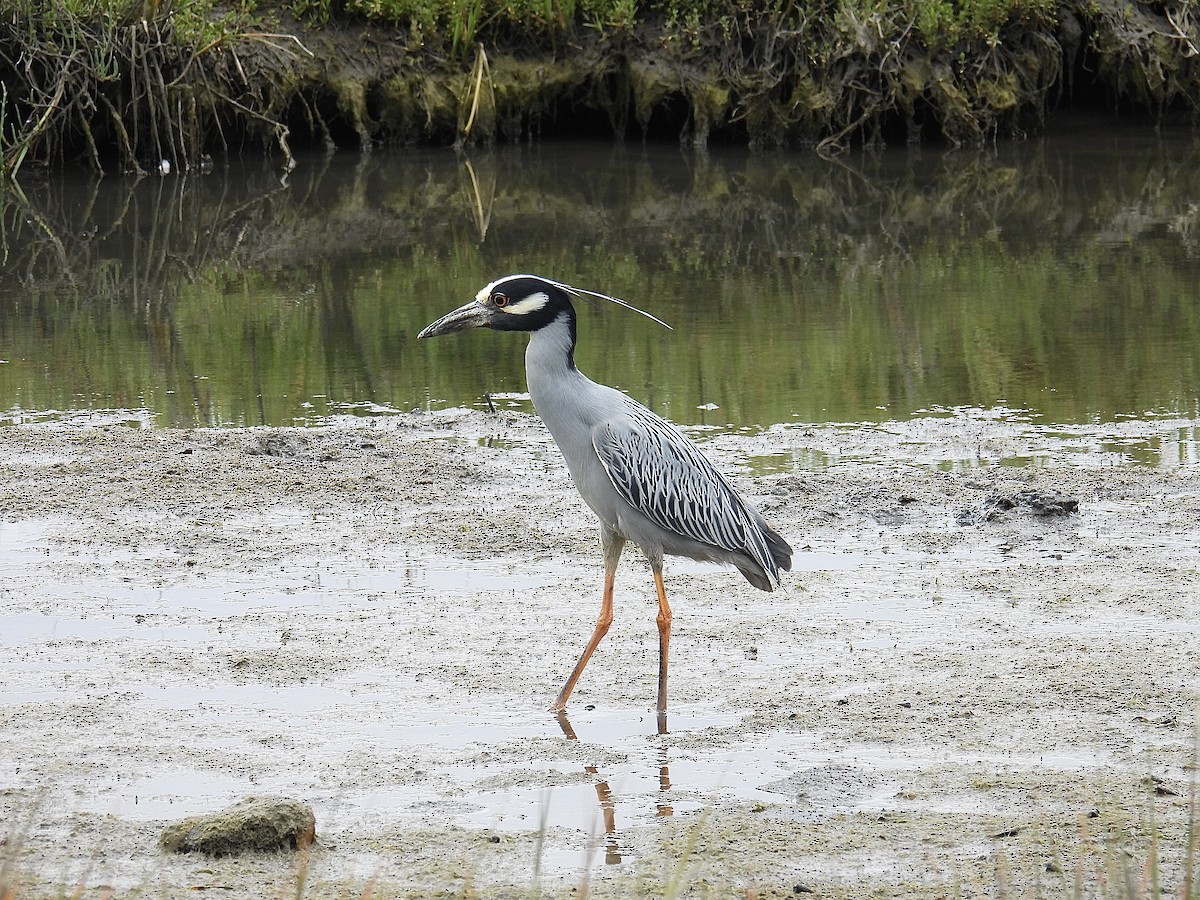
168, 93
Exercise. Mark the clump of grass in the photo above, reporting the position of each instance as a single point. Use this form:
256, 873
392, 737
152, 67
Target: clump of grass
460, 23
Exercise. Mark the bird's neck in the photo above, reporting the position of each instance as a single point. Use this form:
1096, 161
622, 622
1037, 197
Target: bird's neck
556, 387
551, 350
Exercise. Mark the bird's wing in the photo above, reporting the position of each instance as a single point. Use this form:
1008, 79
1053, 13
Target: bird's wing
661, 474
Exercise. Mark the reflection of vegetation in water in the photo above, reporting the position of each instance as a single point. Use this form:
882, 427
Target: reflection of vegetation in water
798, 288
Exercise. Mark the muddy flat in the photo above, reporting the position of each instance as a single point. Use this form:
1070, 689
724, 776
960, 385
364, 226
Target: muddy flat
981, 671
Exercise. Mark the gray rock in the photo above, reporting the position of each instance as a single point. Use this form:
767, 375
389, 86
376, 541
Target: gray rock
256, 823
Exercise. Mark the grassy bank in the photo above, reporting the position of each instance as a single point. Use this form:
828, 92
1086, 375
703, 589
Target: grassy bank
122, 85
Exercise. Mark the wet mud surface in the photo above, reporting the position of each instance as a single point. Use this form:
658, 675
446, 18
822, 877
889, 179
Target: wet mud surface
978, 673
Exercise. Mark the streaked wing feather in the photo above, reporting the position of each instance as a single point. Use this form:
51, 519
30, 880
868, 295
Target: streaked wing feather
661, 474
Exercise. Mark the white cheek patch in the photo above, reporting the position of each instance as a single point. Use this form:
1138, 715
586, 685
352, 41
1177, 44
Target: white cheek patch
527, 305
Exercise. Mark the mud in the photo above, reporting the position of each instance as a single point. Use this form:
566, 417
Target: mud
952, 694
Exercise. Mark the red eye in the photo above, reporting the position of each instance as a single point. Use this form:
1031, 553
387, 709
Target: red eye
500, 300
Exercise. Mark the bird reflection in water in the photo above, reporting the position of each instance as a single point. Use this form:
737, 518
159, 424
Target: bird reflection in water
604, 793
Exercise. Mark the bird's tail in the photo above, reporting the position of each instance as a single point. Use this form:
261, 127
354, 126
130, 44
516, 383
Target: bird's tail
766, 577
781, 550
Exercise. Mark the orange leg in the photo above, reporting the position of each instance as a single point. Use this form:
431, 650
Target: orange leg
612, 553
664, 640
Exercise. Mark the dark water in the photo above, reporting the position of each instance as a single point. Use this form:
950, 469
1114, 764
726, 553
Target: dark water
1060, 276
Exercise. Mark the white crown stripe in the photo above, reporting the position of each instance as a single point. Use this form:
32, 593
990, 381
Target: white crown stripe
527, 305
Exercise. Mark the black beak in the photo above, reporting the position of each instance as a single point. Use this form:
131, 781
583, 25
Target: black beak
472, 315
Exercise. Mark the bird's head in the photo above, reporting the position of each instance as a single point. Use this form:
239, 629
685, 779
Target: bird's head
520, 303
512, 303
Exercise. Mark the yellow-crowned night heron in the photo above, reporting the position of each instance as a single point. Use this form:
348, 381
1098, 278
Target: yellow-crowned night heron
646, 481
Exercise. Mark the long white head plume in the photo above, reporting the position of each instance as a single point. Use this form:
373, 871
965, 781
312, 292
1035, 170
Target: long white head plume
585, 293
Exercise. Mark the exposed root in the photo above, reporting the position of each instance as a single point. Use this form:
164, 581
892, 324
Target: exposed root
94, 87
1149, 54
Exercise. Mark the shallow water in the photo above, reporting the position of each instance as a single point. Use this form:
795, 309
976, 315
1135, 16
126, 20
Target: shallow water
629, 771
628, 774
1057, 277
